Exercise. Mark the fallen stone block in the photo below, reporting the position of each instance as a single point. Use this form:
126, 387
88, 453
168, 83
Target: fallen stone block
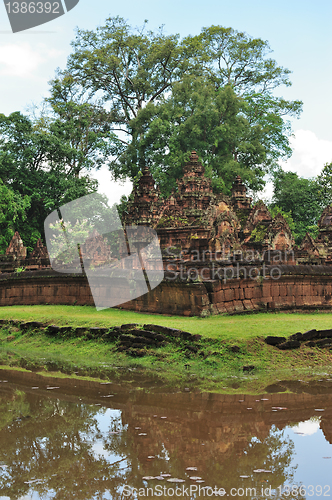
136, 345
112, 334
320, 343
98, 332
296, 336
192, 348
136, 353
272, 340
64, 329
149, 335
171, 332
309, 335
324, 334
128, 326
31, 325
52, 330
79, 331
144, 340
126, 338
290, 344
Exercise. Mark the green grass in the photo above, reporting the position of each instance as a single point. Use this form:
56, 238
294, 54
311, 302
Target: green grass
240, 327
216, 368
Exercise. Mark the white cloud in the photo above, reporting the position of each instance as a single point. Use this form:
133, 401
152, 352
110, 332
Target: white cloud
113, 190
310, 154
308, 427
23, 60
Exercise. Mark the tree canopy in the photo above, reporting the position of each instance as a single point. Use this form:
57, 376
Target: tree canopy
131, 97
214, 92
34, 164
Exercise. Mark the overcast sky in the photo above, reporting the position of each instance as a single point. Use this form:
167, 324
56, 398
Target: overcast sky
299, 33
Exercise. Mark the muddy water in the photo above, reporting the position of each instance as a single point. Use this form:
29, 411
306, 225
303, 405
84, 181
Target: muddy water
63, 439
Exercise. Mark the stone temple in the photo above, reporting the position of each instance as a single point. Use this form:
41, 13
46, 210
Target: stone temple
201, 226
201, 223
221, 254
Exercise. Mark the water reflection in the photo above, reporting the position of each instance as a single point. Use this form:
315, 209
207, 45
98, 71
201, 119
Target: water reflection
88, 442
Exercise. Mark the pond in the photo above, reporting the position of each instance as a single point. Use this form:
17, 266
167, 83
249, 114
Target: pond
73, 439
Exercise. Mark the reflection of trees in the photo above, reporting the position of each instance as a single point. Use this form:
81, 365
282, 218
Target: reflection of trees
62, 444
53, 441
274, 453
222, 452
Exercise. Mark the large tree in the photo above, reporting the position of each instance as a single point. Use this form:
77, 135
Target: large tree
299, 197
81, 124
34, 163
214, 92
130, 69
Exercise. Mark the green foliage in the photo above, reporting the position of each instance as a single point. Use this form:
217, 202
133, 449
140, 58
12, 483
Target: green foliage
213, 371
213, 92
242, 215
324, 181
130, 69
81, 125
172, 221
33, 164
20, 270
13, 214
298, 197
77, 232
258, 234
286, 215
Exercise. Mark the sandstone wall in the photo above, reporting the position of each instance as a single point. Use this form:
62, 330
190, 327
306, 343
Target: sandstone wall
299, 287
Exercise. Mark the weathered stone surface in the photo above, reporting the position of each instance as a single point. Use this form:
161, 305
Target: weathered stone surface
65, 329
96, 249
290, 344
136, 353
128, 326
272, 340
53, 330
323, 334
149, 335
79, 331
112, 334
309, 335
320, 343
127, 338
98, 332
171, 332
16, 248
31, 325
192, 348
296, 336
39, 252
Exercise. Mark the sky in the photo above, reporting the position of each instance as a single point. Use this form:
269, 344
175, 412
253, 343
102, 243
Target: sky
298, 31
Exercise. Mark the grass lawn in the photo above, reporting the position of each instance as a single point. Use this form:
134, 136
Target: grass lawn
236, 327
215, 368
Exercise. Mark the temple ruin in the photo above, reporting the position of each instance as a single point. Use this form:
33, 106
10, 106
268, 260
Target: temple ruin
221, 254
199, 223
